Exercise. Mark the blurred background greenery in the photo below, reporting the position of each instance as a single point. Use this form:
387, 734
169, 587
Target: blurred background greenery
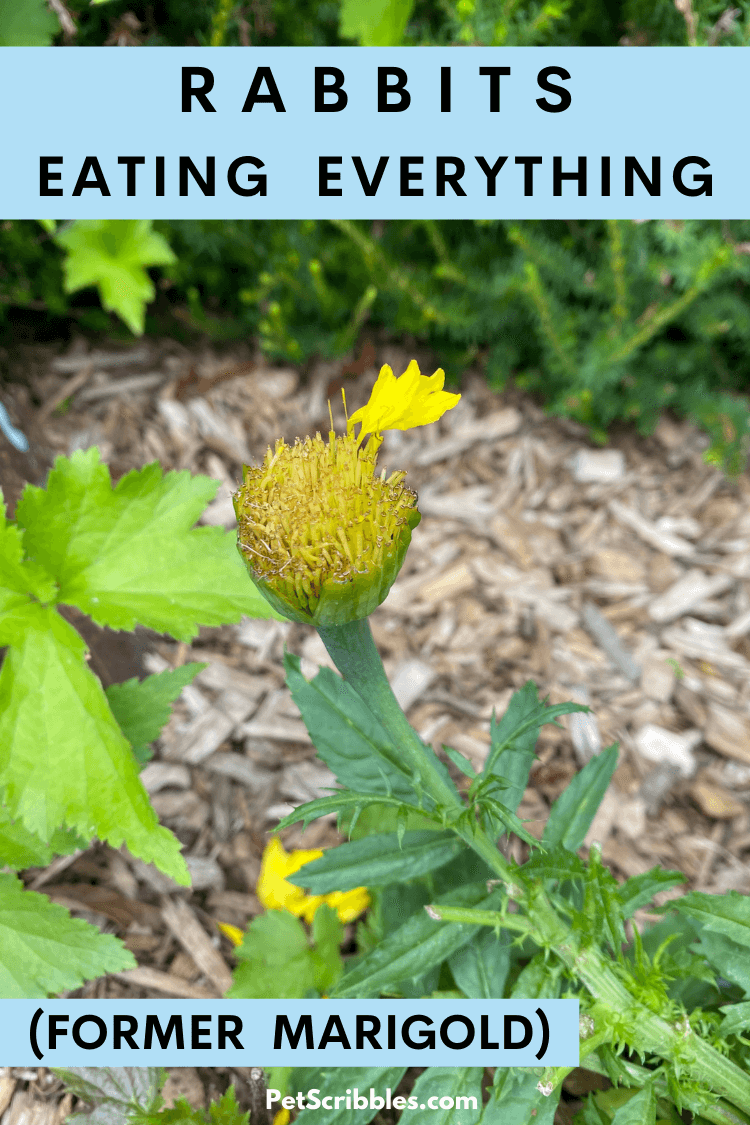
604, 322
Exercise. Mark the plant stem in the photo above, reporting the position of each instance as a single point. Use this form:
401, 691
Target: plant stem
353, 651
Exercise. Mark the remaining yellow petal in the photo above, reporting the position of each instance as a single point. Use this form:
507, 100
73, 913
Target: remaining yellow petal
349, 904
400, 404
275, 893
234, 933
281, 1117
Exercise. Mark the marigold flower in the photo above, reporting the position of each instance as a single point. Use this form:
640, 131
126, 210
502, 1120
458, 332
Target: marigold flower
321, 534
275, 893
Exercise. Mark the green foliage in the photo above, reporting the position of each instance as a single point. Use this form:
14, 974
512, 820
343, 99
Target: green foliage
44, 950
113, 256
550, 926
141, 707
277, 958
593, 313
375, 23
115, 1093
378, 860
26, 23
70, 753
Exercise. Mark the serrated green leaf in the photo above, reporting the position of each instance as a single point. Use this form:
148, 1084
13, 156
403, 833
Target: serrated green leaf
43, 950
14, 578
461, 762
20, 848
63, 758
341, 800
346, 734
142, 707
328, 1083
727, 914
375, 23
417, 946
112, 254
480, 969
378, 860
726, 956
224, 1111
736, 1019
457, 1082
558, 863
539, 980
572, 813
274, 960
638, 1110
513, 740
117, 1094
128, 556
639, 890
27, 23
515, 1100
602, 908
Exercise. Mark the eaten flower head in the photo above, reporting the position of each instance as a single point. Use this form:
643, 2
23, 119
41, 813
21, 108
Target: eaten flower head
276, 893
321, 533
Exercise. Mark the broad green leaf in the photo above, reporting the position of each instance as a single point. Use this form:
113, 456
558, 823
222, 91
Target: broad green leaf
63, 758
364, 1079
142, 707
346, 734
727, 914
20, 579
375, 23
274, 959
113, 254
639, 890
117, 1094
26, 23
480, 969
730, 959
417, 946
378, 860
43, 950
328, 933
572, 813
539, 980
638, 1110
462, 1083
20, 848
127, 555
515, 1100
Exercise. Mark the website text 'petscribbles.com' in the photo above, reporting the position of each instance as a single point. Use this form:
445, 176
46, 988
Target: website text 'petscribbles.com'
352, 1098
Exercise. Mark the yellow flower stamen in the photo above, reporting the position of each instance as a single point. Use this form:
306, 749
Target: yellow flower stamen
321, 533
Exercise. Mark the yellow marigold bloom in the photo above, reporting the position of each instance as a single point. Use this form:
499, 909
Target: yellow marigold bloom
322, 535
275, 893
403, 403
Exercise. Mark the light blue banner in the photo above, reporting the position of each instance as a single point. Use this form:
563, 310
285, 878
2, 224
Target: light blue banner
289, 1032
368, 132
